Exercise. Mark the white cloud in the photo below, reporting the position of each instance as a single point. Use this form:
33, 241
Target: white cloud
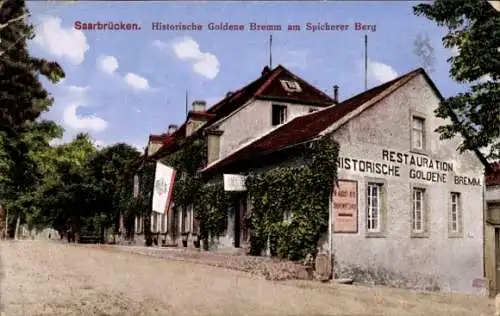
159, 44
139, 148
61, 42
135, 81
485, 78
77, 98
99, 144
204, 63
379, 72
107, 64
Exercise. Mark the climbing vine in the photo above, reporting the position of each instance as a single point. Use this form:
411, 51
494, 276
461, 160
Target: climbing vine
209, 200
211, 208
290, 204
187, 161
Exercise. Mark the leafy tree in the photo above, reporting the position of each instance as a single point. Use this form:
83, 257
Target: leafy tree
474, 30
22, 95
22, 99
108, 171
65, 194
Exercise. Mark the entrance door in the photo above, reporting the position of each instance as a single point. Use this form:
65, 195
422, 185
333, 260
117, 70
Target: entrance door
172, 228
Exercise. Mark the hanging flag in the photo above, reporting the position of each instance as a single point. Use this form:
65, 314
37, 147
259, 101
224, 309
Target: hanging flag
163, 187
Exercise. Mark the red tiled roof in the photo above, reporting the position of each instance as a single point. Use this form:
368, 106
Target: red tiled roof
158, 137
267, 86
170, 143
274, 90
204, 116
493, 177
307, 127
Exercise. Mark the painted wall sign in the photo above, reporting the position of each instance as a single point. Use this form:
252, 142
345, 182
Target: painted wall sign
345, 207
418, 168
234, 182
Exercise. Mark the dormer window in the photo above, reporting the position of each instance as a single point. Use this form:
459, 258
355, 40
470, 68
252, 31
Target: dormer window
291, 86
279, 114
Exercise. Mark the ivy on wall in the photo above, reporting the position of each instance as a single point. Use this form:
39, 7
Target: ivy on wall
211, 209
290, 204
209, 200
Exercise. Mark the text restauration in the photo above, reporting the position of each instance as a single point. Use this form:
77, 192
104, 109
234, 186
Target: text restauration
393, 160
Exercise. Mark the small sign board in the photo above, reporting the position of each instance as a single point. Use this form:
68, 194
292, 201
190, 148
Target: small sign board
345, 207
234, 182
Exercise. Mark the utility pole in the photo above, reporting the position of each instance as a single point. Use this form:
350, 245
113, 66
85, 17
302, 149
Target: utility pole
366, 62
271, 51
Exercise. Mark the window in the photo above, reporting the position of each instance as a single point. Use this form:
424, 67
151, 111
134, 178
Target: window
418, 137
137, 224
184, 220
279, 114
291, 86
162, 223
418, 211
154, 222
312, 110
165, 223
158, 222
374, 207
455, 217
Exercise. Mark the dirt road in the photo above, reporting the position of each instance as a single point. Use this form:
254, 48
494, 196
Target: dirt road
44, 278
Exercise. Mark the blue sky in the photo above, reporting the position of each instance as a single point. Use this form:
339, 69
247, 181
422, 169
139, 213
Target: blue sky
122, 86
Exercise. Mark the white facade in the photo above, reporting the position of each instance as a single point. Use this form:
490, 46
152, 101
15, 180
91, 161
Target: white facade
397, 185
249, 121
252, 120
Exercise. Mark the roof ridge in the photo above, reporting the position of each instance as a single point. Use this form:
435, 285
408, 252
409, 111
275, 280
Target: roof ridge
274, 73
305, 81
214, 107
321, 113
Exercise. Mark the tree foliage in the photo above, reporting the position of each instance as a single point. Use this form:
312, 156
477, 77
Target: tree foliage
474, 31
70, 187
23, 97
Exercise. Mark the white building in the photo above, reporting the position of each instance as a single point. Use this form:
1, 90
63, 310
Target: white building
274, 98
410, 208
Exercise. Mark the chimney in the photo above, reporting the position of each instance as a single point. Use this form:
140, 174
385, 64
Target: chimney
336, 93
199, 106
266, 70
197, 117
213, 145
171, 129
